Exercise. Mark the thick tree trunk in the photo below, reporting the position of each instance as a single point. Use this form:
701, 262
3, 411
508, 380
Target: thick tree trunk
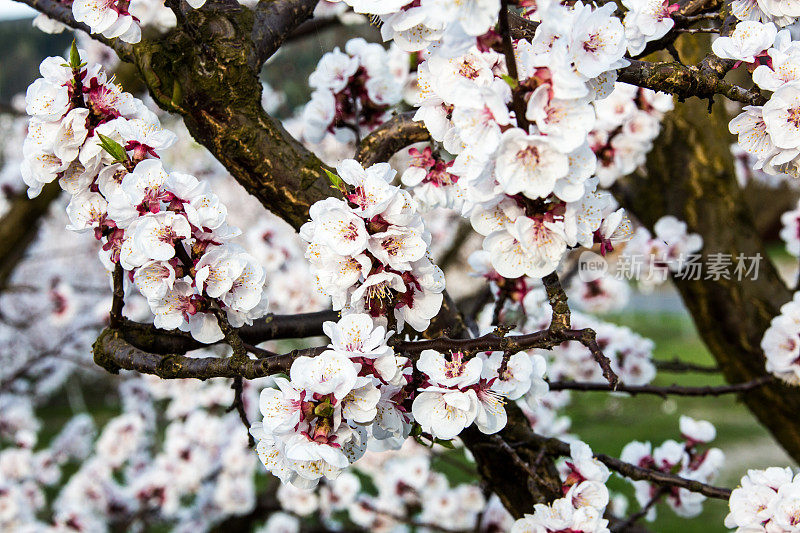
690, 175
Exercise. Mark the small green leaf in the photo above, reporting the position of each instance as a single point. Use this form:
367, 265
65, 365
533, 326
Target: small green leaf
510, 81
336, 181
114, 148
74, 56
445, 443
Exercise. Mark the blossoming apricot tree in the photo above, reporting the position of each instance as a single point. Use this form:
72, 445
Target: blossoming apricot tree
529, 121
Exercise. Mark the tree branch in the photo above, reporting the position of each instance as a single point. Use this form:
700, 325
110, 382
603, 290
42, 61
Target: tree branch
674, 390
272, 327
702, 81
391, 137
114, 353
219, 96
678, 366
115, 349
275, 21
500, 470
118, 297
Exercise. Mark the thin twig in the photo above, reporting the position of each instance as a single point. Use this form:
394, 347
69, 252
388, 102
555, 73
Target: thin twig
702, 16
499, 304
561, 448
258, 352
638, 515
589, 339
520, 462
238, 404
558, 302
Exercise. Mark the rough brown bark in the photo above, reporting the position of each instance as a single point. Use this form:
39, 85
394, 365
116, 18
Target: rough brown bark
391, 137
207, 71
271, 327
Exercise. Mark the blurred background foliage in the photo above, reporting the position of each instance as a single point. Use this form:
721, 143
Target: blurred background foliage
23, 48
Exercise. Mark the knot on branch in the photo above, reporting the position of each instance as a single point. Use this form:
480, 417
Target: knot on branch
101, 356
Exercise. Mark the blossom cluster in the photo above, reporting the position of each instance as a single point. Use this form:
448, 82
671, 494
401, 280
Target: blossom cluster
353, 92
314, 424
121, 18
769, 133
765, 500
359, 393
584, 503
167, 230
46, 353
628, 122
370, 251
647, 20
529, 186
196, 472
429, 178
446, 26
781, 343
744, 164
779, 12
407, 487
457, 392
689, 459
527, 181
